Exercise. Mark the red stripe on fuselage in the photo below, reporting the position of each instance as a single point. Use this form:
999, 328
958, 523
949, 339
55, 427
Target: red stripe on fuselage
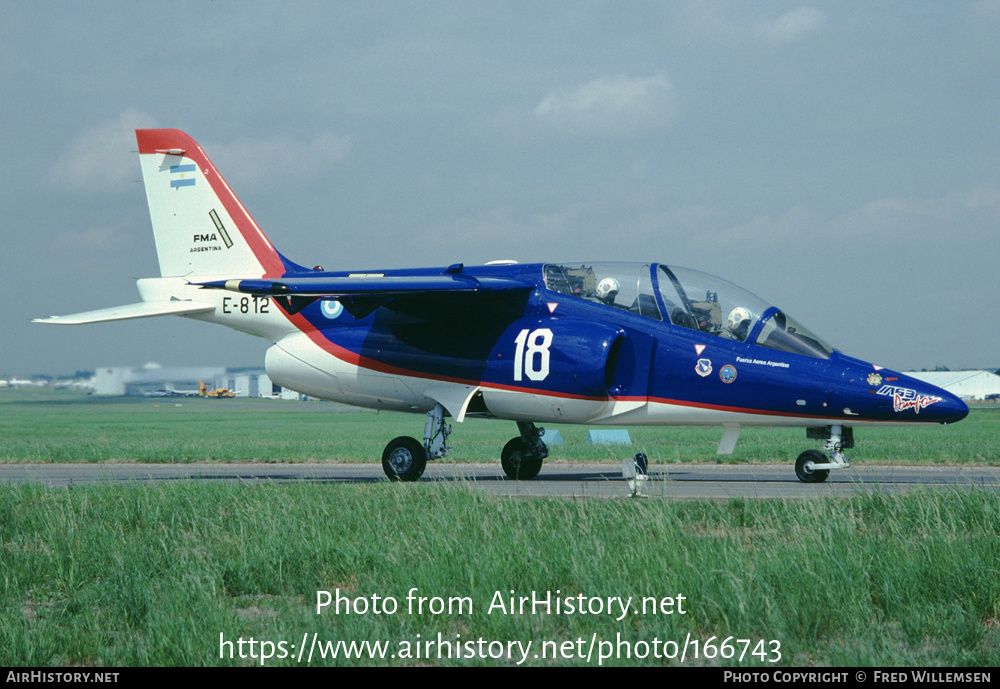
356, 359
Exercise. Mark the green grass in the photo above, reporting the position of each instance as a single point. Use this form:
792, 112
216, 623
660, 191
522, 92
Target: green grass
53, 426
151, 575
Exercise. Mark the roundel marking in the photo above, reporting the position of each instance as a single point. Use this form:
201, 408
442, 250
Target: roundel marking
728, 373
331, 309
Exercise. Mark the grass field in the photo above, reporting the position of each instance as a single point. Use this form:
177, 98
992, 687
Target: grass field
53, 426
169, 574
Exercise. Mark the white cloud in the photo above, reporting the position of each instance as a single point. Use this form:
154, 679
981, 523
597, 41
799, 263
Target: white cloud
99, 237
768, 232
894, 221
502, 232
616, 105
889, 222
103, 158
986, 10
985, 197
790, 26
717, 23
249, 162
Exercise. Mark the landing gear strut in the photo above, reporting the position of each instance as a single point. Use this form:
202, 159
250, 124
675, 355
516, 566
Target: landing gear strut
522, 457
405, 458
636, 473
812, 466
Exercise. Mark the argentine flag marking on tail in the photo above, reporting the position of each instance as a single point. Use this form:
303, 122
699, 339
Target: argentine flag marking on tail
182, 180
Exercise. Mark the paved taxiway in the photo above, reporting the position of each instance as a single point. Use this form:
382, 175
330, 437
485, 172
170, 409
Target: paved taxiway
717, 481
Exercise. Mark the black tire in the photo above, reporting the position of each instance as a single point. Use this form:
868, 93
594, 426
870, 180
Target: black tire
404, 459
807, 475
518, 463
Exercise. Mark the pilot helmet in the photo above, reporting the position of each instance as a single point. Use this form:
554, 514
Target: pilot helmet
607, 289
738, 318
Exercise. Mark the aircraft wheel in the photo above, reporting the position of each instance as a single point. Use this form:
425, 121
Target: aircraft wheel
404, 459
517, 462
807, 475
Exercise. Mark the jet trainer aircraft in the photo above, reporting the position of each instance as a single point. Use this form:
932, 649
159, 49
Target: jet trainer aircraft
569, 342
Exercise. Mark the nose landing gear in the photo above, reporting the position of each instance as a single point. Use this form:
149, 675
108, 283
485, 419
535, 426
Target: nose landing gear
812, 466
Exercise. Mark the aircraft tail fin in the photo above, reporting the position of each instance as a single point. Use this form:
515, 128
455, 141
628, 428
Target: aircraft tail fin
200, 226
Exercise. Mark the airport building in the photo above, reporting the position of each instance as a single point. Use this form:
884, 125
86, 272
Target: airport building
153, 380
969, 385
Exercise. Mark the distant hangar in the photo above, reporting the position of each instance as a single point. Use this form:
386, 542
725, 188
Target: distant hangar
151, 379
969, 385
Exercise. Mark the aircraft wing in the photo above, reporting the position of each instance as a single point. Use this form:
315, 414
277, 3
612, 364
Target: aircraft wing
367, 285
363, 293
144, 309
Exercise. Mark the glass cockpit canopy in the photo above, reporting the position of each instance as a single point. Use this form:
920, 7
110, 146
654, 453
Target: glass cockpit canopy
687, 298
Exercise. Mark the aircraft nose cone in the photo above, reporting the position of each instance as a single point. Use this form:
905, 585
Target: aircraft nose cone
914, 400
950, 409
934, 404
896, 396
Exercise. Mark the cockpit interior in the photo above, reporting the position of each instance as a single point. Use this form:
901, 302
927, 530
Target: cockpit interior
686, 298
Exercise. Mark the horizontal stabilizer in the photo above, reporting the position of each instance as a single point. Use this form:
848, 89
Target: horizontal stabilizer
144, 309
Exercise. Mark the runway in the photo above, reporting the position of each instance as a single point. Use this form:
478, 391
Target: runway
591, 480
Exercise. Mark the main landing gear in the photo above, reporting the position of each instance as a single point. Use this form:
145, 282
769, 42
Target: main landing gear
405, 458
522, 457
812, 466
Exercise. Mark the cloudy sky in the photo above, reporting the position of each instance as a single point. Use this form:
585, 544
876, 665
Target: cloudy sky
838, 159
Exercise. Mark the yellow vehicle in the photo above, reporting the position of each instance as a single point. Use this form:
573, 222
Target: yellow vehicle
217, 393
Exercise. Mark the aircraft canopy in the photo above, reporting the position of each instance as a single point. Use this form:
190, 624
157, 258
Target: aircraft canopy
686, 298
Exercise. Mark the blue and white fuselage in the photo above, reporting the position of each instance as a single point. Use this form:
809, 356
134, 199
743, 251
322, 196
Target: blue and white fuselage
535, 350
580, 342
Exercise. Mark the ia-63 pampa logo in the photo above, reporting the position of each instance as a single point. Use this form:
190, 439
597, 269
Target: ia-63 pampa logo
905, 398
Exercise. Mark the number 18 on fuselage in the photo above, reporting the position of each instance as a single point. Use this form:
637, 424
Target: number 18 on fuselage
572, 342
